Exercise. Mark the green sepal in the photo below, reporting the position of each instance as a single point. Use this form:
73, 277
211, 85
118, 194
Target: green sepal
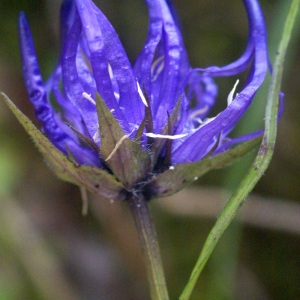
181, 175
95, 180
159, 144
125, 157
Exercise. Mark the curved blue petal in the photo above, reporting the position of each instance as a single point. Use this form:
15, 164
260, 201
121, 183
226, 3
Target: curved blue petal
204, 91
67, 111
164, 70
38, 97
201, 87
145, 60
71, 81
67, 11
34, 82
233, 68
171, 48
158, 65
70, 110
109, 60
204, 139
93, 38
129, 101
227, 144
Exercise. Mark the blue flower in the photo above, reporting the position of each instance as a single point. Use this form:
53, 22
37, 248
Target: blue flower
161, 103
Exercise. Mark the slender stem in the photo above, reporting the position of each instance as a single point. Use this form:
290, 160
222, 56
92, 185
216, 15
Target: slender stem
145, 227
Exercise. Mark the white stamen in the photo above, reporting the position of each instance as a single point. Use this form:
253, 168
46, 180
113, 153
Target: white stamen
117, 95
110, 71
165, 136
155, 71
112, 110
156, 62
89, 98
118, 144
141, 95
113, 79
230, 95
171, 168
96, 135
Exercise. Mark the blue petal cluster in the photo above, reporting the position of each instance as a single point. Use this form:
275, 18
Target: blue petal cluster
93, 60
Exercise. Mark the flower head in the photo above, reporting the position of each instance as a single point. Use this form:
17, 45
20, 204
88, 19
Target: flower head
138, 123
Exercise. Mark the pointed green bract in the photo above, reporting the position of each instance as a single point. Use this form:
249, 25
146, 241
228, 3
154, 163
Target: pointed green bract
126, 159
95, 180
181, 175
159, 144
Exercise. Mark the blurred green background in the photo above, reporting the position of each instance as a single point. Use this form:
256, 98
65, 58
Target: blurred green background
48, 250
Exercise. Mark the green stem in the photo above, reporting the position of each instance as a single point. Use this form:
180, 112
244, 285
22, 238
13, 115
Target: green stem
145, 227
261, 162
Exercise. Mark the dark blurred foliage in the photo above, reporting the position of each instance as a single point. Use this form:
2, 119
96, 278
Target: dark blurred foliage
48, 250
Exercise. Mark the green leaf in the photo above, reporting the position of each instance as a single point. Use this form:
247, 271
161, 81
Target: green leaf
126, 159
261, 161
178, 177
95, 180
